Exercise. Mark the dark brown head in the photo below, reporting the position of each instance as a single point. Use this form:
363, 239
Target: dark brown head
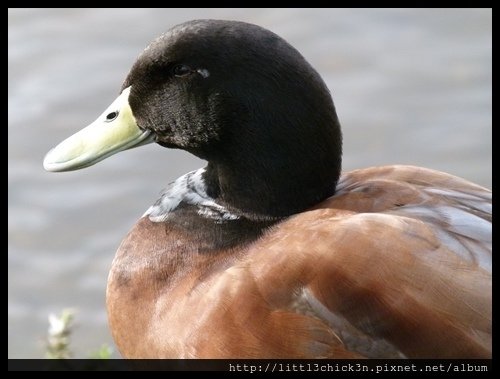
236, 95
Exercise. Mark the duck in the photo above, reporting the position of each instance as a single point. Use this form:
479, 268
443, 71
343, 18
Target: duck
271, 250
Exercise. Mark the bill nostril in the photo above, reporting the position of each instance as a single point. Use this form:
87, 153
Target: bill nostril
111, 116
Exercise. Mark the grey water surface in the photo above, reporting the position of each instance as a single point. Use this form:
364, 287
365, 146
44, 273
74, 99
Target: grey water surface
410, 86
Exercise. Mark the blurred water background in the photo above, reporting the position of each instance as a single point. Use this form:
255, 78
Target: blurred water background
410, 86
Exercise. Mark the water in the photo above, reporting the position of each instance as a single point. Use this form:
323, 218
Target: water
410, 86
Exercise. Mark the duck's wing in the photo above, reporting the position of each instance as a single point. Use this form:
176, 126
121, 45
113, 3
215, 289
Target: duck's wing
397, 264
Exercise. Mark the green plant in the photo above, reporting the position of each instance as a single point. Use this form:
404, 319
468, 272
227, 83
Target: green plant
58, 338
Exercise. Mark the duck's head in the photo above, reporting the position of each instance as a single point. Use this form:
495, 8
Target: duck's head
236, 95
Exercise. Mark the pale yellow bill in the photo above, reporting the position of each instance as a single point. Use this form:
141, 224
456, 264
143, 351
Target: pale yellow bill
115, 130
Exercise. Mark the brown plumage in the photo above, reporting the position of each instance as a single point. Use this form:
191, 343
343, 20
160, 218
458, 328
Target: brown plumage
360, 275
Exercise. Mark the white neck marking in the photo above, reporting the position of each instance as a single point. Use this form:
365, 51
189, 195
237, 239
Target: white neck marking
189, 189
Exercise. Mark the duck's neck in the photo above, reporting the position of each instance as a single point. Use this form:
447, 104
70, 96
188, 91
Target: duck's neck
275, 186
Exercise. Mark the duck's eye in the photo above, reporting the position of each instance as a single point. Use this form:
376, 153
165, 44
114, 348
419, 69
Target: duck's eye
182, 70
111, 116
